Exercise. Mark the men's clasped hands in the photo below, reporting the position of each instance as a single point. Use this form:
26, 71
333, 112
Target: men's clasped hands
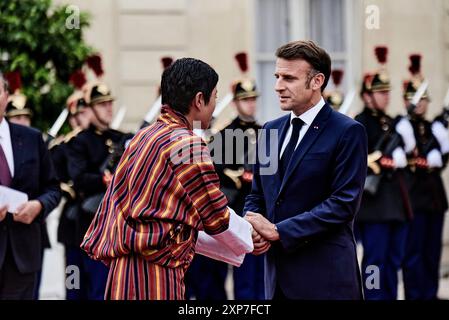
264, 232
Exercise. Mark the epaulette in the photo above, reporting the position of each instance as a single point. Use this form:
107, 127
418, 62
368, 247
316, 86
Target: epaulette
68, 188
72, 134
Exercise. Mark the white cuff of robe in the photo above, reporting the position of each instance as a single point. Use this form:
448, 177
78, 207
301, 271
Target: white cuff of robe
231, 245
238, 235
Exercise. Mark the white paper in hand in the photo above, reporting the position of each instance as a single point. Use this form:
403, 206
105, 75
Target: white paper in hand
12, 198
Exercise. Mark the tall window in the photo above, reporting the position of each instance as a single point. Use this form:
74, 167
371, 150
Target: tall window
323, 21
327, 29
272, 30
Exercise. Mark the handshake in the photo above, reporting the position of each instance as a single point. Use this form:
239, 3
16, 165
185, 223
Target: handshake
264, 232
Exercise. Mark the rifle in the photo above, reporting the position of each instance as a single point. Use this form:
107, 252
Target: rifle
118, 119
347, 102
52, 133
152, 113
394, 140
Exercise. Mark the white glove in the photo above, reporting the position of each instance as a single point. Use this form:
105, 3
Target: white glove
434, 159
442, 136
399, 158
405, 129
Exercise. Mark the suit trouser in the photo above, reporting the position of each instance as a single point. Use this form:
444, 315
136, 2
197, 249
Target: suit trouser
279, 294
249, 279
383, 247
45, 245
422, 259
37, 285
13, 284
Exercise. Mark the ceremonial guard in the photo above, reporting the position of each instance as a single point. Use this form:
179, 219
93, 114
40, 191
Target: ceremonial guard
238, 141
385, 207
365, 96
427, 194
92, 157
69, 228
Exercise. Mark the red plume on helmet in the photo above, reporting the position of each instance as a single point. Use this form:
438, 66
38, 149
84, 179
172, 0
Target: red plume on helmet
367, 77
366, 83
381, 53
14, 81
78, 79
95, 63
166, 62
415, 64
337, 76
405, 84
242, 60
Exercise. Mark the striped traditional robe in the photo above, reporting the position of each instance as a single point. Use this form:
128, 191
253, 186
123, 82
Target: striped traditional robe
164, 190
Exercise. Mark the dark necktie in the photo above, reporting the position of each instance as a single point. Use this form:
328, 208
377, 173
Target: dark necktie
5, 174
297, 123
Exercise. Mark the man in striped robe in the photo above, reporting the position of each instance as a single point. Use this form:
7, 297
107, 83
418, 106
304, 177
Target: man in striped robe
164, 190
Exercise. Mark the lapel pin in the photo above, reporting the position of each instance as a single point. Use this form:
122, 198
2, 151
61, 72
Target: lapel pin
315, 127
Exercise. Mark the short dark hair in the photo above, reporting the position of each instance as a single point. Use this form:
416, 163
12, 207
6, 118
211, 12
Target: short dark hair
4, 81
307, 50
183, 80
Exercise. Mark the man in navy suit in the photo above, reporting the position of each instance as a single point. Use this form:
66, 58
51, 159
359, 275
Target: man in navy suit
303, 212
25, 166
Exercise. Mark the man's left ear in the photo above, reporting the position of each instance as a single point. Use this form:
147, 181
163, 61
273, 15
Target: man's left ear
318, 81
199, 101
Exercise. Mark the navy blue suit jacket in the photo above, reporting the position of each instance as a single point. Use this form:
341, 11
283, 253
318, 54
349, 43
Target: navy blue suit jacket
313, 207
33, 174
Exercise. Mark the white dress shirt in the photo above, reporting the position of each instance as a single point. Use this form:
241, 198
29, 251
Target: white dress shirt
5, 142
307, 117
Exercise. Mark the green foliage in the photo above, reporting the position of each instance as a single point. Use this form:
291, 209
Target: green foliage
39, 45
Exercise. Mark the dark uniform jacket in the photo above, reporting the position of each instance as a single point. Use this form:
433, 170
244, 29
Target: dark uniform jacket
88, 154
236, 174
391, 202
68, 222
